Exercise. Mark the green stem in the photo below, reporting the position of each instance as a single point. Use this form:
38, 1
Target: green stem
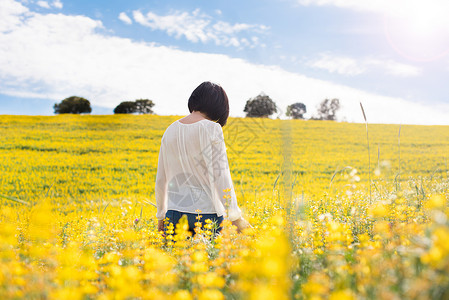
15, 200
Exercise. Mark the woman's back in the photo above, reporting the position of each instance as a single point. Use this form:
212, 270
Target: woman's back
194, 168
188, 183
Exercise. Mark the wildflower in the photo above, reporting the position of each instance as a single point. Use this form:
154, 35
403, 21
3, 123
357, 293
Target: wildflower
342, 295
182, 295
378, 210
211, 294
436, 202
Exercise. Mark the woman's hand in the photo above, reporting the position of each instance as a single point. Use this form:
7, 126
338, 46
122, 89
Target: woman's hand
241, 224
160, 225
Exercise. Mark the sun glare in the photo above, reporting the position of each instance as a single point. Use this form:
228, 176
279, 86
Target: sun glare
419, 30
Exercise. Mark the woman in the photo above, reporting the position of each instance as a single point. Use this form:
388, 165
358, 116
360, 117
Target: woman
193, 176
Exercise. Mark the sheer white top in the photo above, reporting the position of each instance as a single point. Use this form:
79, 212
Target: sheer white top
193, 171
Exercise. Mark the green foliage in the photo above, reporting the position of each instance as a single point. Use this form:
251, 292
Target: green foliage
73, 105
327, 110
296, 110
260, 106
126, 107
142, 106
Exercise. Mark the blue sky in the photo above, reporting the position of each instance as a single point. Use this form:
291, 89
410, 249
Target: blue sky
390, 56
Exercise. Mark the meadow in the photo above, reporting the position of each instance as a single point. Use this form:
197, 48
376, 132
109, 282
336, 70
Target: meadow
334, 217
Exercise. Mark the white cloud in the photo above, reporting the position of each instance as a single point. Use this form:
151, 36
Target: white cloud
350, 66
12, 14
124, 18
199, 27
394, 68
43, 4
37, 59
57, 4
337, 64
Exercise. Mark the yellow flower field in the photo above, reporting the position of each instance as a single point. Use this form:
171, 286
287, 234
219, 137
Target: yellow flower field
331, 219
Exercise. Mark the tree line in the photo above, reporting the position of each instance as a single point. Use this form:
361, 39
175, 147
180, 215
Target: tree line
79, 105
261, 106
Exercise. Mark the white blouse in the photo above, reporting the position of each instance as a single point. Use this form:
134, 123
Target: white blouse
193, 171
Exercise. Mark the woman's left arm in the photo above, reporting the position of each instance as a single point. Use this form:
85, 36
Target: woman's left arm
222, 176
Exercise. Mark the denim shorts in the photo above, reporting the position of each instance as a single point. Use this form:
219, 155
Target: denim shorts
174, 216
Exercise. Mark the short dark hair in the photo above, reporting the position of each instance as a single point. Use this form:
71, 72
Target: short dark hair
210, 99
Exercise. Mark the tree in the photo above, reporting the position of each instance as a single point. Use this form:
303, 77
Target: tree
142, 106
126, 107
73, 105
260, 106
327, 110
296, 110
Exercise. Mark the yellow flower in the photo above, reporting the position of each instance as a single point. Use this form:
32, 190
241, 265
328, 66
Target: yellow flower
342, 295
182, 295
211, 280
378, 210
210, 294
263, 292
436, 202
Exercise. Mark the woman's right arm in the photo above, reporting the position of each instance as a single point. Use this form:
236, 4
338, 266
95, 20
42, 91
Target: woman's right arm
161, 188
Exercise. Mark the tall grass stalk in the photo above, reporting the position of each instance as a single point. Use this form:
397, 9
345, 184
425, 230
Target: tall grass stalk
274, 188
15, 200
241, 188
378, 157
293, 184
398, 182
369, 156
333, 176
46, 194
147, 202
433, 173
